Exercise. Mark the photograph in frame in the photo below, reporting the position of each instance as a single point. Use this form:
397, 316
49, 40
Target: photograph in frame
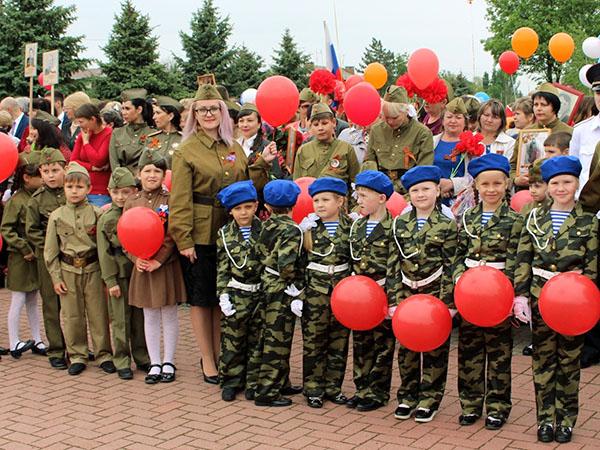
208, 78
570, 99
50, 67
530, 148
31, 59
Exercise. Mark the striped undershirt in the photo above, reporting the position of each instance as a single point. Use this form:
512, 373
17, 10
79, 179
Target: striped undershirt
246, 232
485, 217
371, 224
558, 218
421, 222
331, 227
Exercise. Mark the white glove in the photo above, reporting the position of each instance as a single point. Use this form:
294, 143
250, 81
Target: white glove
521, 309
309, 222
293, 291
354, 193
296, 307
453, 312
354, 216
226, 305
391, 311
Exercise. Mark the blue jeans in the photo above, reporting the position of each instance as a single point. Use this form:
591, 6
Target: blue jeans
99, 200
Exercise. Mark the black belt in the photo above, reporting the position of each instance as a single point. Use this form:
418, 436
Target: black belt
206, 200
79, 262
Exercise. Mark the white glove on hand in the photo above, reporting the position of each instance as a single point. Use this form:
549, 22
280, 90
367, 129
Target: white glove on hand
391, 311
453, 312
309, 222
354, 216
296, 307
521, 309
293, 291
226, 305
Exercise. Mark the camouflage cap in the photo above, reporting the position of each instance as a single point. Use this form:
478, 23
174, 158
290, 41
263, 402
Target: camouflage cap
207, 92
249, 107
306, 95
121, 177
548, 88
535, 171
396, 94
150, 156
132, 94
31, 158
457, 106
74, 167
319, 110
49, 155
163, 100
44, 116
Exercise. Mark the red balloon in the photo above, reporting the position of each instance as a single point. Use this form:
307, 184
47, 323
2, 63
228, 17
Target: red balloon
570, 304
167, 181
422, 323
41, 81
423, 67
304, 204
396, 204
359, 303
0, 242
509, 62
352, 81
141, 232
520, 199
9, 156
484, 296
362, 104
277, 100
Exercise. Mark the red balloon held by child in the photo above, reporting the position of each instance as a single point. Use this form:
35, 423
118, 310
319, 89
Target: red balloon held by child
277, 100
396, 204
304, 204
9, 156
520, 199
141, 232
359, 303
362, 104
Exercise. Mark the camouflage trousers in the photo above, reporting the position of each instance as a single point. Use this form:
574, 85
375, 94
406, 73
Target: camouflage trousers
477, 348
275, 346
240, 333
423, 376
325, 347
373, 358
556, 372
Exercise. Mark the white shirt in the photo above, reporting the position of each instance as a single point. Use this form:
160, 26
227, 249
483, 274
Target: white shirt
586, 136
61, 117
246, 144
16, 123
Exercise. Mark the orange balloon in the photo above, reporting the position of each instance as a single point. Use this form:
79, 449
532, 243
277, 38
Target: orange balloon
561, 47
525, 42
376, 75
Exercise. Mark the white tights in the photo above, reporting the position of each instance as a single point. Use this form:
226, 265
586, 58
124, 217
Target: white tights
153, 317
17, 302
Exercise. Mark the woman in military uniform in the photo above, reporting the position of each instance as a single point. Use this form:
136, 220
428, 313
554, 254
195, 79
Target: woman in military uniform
128, 142
167, 118
207, 160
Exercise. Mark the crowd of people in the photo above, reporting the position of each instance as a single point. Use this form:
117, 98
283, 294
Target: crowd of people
247, 270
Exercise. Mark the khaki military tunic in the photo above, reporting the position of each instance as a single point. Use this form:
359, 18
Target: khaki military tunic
113, 261
319, 159
590, 194
127, 144
165, 143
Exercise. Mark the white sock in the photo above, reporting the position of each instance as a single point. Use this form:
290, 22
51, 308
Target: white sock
33, 317
152, 333
17, 301
170, 324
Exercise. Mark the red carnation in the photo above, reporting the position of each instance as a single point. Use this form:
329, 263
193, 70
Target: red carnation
435, 92
322, 81
406, 83
339, 91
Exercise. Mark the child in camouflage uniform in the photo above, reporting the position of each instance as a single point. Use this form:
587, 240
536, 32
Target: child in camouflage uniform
562, 238
238, 282
489, 236
369, 249
328, 256
421, 260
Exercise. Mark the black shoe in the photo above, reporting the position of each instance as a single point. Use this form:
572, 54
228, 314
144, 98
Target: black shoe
108, 367
249, 394
154, 378
545, 433
168, 377
281, 401
403, 412
21, 348
368, 405
210, 380
125, 374
563, 435
37, 350
352, 402
588, 359
76, 368
91, 356
468, 419
339, 399
228, 394
291, 390
424, 415
528, 350
58, 363
3, 351
144, 367
494, 423
315, 402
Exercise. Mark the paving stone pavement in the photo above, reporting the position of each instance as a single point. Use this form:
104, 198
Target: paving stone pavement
46, 408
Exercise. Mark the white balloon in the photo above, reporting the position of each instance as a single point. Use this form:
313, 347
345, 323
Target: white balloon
582, 77
591, 47
248, 96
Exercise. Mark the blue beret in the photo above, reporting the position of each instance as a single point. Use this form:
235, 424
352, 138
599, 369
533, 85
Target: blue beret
281, 193
560, 165
491, 161
328, 184
377, 181
237, 193
419, 174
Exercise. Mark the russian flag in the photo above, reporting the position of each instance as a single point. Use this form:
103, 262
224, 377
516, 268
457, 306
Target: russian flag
330, 56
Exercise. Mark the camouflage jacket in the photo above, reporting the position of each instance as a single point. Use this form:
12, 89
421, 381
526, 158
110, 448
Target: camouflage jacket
419, 254
40, 206
328, 251
574, 248
529, 206
238, 258
114, 264
495, 242
280, 249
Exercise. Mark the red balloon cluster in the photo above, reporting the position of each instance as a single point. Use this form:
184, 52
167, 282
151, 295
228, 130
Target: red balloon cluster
141, 232
9, 156
277, 100
359, 303
304, 204
520, 199
362, 104
509, 62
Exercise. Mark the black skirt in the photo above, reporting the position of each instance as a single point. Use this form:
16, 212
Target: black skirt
201, 277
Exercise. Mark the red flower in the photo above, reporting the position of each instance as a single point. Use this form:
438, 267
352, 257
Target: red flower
470, 144
322, 81
339, 91
435, 92
406, 83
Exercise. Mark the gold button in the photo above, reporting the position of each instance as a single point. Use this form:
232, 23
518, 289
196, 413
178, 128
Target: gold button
149, 201
227, 173
223, 158
499, 235
553, 268
476, 255
363, 265
579, 233
416, 266
316, 240
393, 154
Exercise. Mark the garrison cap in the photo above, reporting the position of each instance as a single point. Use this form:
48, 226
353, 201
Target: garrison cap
306, 95
46, 117
396, 94
75, 167
319, 110
151, 156
49, 155
121, 177
132, 94
163, 100
207, 92
457, 106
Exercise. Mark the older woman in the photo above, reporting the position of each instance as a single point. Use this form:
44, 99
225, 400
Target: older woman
207, 160
71, 104
492, 123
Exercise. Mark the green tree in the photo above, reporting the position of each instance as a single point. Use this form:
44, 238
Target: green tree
291, 62
502, 87
24, 21
206, 46
245, 71
132, 53
546, 17
459, 83
395, 64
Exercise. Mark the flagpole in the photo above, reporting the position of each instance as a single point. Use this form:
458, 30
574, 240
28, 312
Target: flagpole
337, 34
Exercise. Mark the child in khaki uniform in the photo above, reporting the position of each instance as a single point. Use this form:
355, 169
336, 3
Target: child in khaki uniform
72, 260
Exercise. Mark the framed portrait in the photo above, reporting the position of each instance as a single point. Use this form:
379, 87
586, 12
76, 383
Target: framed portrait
31, 59
531, 148
208, 78
50, 67
570, 99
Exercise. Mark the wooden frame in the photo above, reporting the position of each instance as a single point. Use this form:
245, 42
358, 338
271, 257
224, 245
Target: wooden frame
570, 99
530, 148
208, 78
